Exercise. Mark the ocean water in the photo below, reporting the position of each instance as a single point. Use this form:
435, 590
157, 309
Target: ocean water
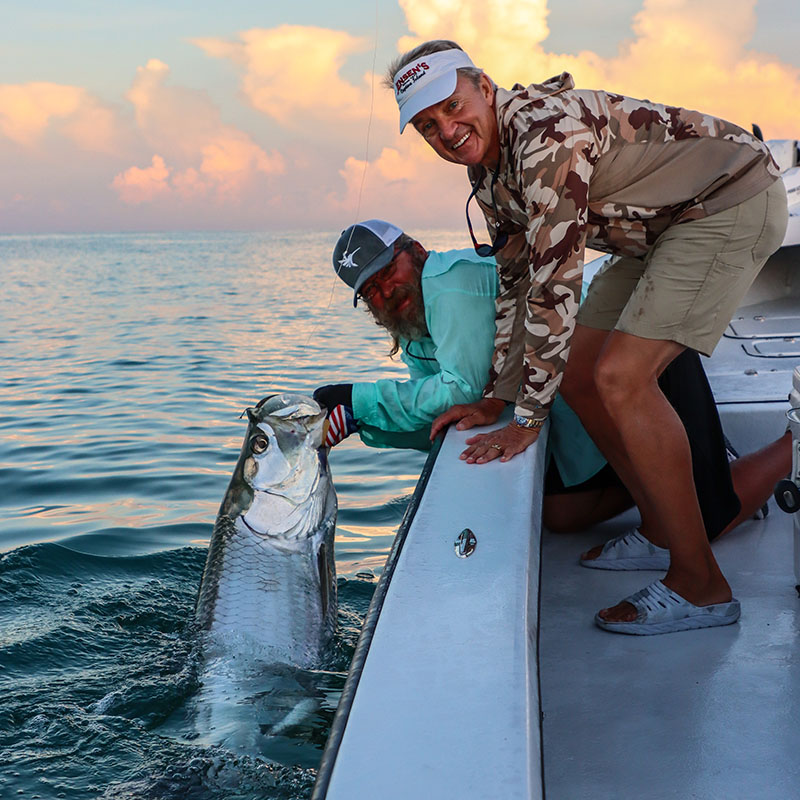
126, 363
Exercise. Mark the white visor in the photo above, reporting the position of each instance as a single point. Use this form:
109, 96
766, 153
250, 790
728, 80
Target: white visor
427, 81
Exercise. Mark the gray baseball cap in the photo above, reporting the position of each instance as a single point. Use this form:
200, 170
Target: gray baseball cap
364, 249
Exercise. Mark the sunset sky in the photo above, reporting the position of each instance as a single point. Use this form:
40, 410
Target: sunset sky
256, 116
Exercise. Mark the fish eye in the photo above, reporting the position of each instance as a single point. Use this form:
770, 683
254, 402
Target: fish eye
259, 443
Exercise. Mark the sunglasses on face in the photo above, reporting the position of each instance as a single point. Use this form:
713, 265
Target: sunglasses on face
501, 237
372, 286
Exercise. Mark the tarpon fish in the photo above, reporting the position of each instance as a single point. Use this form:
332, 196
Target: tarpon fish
269, 584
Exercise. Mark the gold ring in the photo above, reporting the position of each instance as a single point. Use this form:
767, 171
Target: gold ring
496, 446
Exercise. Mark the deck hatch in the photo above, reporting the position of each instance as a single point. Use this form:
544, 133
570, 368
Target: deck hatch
762, 326
753, 386
773, 348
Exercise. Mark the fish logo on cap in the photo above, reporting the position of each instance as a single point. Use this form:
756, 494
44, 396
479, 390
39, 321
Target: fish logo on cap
347, 262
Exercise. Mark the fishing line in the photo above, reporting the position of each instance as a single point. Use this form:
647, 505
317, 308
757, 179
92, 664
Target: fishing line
366, 163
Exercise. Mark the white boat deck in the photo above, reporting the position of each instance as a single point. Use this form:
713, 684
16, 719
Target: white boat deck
707, 714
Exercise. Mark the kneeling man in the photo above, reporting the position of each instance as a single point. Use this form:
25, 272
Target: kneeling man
439, 308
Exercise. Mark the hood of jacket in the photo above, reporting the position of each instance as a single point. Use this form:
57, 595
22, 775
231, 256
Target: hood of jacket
509, 101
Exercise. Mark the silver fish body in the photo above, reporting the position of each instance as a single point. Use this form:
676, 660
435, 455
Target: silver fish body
269, 586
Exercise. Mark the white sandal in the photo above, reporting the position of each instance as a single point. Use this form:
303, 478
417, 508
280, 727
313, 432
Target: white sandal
660, 610
629, 551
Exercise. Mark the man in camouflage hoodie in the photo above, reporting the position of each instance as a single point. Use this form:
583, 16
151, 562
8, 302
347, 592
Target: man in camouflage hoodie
690, 205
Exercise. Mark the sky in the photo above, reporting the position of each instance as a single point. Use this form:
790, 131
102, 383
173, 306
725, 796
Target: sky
240, 115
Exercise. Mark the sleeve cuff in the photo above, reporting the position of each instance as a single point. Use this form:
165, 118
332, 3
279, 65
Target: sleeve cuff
365, 399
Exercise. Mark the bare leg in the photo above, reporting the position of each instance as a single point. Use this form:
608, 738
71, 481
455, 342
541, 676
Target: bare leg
580, 391
755, 475
639, 431
576, 511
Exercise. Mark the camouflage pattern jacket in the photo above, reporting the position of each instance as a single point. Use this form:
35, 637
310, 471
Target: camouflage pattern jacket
588, 168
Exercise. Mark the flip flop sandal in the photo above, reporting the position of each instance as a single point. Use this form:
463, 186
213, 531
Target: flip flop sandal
660, 610
629, 551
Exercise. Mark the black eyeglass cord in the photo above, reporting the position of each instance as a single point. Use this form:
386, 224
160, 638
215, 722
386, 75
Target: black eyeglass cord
500, 238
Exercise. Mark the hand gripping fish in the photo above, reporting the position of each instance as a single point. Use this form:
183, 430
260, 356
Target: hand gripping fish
269, 584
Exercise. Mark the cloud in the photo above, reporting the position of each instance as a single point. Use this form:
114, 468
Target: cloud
172, 158
189, 184
136, 185
184, 127
680, 53
28, 111
503, 37
687, 52
292, 73
696, 55
171, 119
407, 184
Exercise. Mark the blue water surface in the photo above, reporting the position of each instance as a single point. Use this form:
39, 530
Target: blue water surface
127, 361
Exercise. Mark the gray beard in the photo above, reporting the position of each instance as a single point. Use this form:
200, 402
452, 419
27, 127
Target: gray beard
411, 325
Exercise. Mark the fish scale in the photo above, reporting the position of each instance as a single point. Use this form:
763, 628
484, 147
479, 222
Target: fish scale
270, 598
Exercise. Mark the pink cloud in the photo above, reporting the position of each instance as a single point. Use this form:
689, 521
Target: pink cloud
407, 184
170, 156
230, 157
29, 110
209, 158
292, 73
679, 53
136, 185
189, 184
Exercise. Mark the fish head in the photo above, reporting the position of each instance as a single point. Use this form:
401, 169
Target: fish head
282, 455
285, 438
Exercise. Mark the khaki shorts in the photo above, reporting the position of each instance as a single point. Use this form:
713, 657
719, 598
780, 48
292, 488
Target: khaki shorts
687, 288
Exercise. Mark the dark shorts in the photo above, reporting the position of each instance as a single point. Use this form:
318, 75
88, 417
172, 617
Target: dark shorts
602, 479
685, 385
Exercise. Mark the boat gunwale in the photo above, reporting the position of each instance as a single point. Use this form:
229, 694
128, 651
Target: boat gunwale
342, 714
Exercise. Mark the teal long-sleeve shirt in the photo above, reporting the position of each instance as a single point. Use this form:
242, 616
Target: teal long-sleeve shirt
451, 365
